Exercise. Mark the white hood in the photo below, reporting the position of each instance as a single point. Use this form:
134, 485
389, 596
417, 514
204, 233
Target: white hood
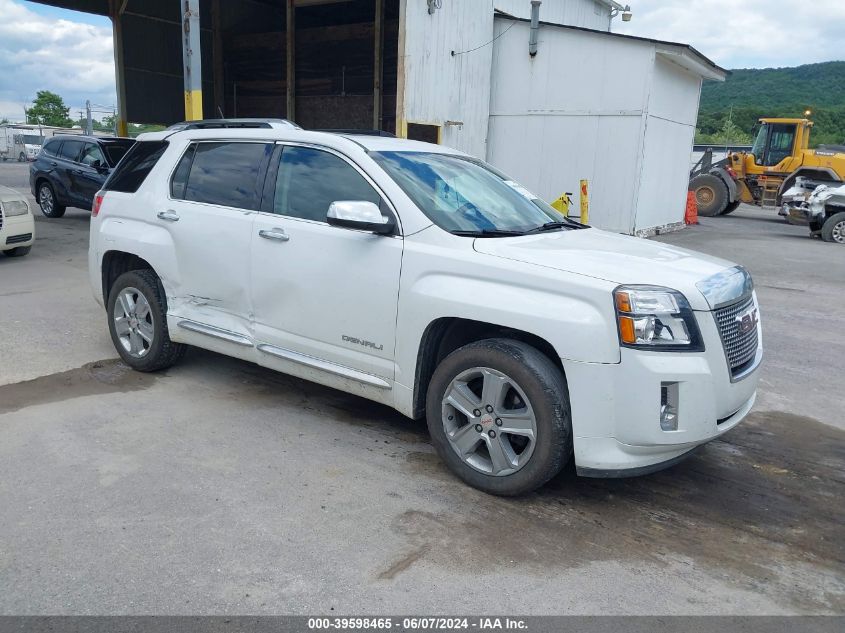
616, 258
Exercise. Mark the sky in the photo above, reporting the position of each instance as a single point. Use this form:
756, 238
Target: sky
71, 54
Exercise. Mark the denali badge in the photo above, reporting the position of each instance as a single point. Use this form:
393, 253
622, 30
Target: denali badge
747, 320
357, 341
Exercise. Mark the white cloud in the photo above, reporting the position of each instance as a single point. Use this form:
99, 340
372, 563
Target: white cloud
38, 52
745, 33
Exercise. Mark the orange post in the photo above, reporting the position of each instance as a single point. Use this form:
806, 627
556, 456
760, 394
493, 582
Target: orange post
691, 215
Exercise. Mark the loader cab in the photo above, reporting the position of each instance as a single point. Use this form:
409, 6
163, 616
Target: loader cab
779, 139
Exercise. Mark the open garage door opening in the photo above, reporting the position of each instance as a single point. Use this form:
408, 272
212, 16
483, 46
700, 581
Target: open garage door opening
344, 64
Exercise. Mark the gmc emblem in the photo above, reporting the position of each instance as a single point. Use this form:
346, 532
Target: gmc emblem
747, 321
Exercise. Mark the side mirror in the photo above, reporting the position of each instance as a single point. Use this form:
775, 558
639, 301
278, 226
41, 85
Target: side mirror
359, 214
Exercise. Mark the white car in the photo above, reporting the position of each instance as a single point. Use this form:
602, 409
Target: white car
17, 226
419, 277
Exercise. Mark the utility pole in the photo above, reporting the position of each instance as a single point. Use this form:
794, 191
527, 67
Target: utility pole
89, 123
192, 59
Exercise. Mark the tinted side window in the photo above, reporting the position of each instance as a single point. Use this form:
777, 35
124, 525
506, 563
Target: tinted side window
70, 150
92, 155
180, 176
51, 147
309, 180
226, 174
135, 166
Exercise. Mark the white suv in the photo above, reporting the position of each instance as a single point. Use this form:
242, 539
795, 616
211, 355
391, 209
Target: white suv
422, 278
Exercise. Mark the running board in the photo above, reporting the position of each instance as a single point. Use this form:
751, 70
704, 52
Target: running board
324, 365
216, 332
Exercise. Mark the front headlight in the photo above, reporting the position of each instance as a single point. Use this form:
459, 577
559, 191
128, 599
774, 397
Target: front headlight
15, 207
655, 318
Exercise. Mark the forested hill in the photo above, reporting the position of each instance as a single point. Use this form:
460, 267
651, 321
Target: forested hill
775, 92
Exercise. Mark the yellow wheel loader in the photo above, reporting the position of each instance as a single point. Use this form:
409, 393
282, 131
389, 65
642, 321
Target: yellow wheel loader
779, 156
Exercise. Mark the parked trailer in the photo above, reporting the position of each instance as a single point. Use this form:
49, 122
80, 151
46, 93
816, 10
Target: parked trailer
19, 142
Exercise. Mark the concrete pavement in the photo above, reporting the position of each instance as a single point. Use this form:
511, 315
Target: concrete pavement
221, 487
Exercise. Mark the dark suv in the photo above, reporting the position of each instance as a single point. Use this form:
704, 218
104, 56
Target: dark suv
69, 170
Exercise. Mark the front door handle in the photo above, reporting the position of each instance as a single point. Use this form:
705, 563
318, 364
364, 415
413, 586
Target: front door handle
274, 234
169, 215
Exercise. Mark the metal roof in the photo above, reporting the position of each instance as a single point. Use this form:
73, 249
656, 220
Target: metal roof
716, 71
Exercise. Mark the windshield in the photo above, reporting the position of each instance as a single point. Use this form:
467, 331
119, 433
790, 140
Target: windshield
759, 146
464, 196
115, 151
32, 139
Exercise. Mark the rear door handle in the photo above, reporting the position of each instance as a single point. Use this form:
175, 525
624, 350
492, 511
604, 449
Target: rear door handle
274, 234
169, 215
53, 163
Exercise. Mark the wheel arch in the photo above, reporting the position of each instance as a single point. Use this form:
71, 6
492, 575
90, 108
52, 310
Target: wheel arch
820, 173
115, 263
723, 175
446, 334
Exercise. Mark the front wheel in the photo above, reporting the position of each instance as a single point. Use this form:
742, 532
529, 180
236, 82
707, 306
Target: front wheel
21, 157
18, 251
711, 194
833, 229
498, 414
137, 310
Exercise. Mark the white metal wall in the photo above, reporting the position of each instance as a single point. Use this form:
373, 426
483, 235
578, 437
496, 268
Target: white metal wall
436, 86
672, 111
574, 111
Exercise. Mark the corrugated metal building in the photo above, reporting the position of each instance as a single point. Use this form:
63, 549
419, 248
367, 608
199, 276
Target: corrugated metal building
617, 110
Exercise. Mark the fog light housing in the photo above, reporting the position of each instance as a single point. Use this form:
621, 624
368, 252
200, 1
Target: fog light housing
668, 406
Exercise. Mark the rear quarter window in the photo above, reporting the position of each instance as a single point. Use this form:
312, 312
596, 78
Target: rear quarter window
134, 167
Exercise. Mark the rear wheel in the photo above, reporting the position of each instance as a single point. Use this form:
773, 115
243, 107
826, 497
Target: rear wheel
711, 194
833, 229
732, 206
19, 251
498, 414
137, 311
50, 207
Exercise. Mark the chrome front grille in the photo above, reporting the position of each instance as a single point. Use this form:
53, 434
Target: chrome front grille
740, 347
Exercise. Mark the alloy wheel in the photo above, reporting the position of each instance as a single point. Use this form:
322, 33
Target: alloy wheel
838, 232
45, 199
133, 322
489, 421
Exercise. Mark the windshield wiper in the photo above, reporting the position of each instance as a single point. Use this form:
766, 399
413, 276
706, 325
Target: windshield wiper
552, 226
488, 233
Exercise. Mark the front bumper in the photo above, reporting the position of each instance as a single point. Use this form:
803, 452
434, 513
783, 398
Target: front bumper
17, 230
616, 407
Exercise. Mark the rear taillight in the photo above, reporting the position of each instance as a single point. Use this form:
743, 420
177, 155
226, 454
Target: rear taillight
98, 200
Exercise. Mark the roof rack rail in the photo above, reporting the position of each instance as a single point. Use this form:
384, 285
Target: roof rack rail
359, 132
211, 124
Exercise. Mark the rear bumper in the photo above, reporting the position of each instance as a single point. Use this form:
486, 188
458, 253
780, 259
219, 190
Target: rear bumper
616, 407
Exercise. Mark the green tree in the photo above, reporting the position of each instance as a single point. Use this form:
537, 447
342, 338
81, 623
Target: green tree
49, 109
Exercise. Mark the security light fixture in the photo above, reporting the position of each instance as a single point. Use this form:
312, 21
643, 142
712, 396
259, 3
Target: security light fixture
616, 8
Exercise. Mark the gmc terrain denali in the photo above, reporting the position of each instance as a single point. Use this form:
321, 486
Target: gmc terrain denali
422, 278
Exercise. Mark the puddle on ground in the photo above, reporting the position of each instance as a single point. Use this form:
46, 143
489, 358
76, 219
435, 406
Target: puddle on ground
100, 377
761, 508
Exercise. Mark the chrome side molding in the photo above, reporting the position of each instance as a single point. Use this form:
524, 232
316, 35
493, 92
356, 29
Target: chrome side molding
216, 332
324, 365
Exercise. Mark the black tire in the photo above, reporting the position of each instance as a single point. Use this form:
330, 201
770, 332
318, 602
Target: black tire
732, 206
545, 387
711, 194
162, 351
21, 157
55, 210
833, 229
19, 251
